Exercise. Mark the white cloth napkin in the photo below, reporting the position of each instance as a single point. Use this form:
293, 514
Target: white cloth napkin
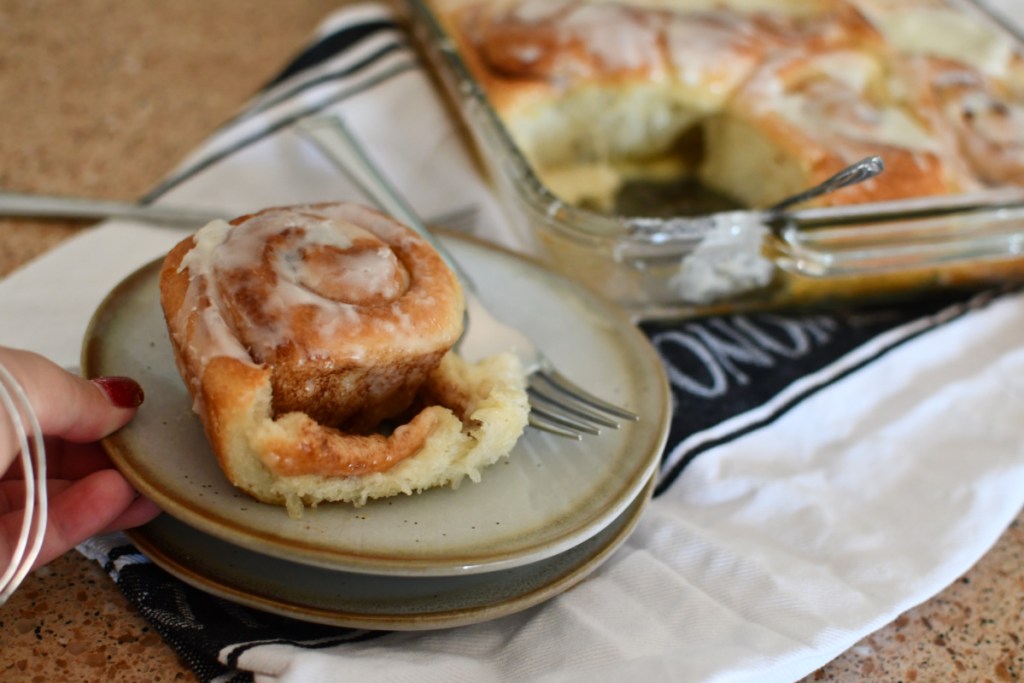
857, 490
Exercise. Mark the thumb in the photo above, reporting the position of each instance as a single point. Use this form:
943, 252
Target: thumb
67, 405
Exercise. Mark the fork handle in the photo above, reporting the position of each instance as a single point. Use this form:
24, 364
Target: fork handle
46, 206
335, 139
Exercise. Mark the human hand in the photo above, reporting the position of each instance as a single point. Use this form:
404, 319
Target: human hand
86, 494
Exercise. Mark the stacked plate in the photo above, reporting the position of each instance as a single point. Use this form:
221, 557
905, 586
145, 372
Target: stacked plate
535, 525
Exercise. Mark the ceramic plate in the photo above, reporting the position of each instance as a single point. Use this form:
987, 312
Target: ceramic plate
327, 596
551, 493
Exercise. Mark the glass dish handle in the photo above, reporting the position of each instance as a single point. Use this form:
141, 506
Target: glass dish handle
901, 243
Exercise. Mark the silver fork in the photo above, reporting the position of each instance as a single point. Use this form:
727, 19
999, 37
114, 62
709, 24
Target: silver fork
20, 204
557, 405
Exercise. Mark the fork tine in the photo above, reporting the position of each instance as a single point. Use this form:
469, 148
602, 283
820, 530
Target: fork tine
556, 424
542, 397
567, 387
544, 426
563, 420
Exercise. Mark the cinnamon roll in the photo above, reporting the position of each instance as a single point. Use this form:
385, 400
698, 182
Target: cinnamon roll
966, 76
316, 344
801, 118
982, 116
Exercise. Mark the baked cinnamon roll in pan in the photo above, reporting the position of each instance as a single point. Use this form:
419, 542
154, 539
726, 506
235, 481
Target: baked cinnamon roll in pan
316, 343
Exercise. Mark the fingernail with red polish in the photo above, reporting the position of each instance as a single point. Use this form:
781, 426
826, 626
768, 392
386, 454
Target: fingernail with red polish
123, 392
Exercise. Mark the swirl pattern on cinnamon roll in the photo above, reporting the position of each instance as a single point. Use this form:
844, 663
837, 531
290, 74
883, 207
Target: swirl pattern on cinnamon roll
316, 344
981, 115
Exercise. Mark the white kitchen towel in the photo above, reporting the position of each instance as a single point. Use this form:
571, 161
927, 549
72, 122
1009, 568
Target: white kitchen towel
824, 472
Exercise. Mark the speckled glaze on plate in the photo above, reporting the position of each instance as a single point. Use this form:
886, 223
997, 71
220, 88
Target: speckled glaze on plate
341, 598
551, 494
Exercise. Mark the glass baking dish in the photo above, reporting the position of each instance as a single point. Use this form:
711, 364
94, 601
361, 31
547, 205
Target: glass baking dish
731, 259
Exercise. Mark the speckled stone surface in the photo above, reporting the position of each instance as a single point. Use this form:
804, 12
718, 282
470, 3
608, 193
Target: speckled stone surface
101, 99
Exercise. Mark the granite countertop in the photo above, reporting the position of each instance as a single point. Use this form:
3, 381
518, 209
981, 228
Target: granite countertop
101, 99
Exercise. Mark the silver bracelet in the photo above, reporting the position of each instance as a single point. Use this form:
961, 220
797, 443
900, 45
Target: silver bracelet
32, 453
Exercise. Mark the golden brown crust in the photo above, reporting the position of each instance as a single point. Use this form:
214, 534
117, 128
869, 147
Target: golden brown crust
307, 447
